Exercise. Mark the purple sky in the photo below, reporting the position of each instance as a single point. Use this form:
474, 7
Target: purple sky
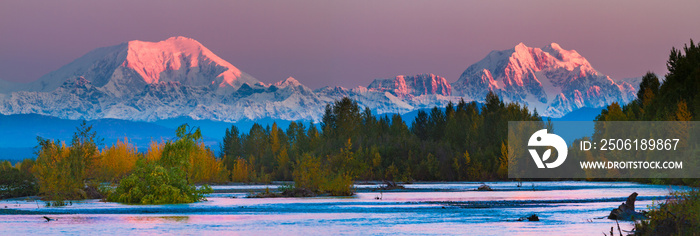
349, 43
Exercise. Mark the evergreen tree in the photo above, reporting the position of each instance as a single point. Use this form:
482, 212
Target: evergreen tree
419, 127
231, 148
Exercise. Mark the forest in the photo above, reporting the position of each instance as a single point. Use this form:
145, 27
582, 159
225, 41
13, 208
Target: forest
460, 142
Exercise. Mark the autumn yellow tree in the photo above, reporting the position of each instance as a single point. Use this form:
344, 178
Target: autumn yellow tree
241, 171
117, 161
52, 171
63, 171
155, 151
503, 162
205, 167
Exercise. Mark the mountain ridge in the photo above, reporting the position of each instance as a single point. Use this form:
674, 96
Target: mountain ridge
176, 77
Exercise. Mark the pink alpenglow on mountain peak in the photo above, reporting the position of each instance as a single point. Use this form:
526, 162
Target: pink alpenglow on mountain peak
413, 86
551, 79
178, 77
132, 65
182, 57
549, 57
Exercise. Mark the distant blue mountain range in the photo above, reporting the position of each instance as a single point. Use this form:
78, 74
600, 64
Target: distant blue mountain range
583, 114
579, 129
18, 133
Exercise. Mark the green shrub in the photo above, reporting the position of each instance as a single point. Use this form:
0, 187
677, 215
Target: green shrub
310, 174
154, 184
339, 185
164, 181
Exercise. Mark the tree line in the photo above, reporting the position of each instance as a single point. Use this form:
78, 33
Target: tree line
460, 142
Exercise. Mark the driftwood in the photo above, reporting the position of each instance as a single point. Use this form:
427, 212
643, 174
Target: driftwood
532, 217
626, 210
484, 187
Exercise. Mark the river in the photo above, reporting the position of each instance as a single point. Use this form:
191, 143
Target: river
452, 208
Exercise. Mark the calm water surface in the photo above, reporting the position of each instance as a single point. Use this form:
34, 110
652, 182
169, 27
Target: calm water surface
564, 208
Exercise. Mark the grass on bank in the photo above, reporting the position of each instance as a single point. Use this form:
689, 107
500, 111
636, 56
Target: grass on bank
679, 215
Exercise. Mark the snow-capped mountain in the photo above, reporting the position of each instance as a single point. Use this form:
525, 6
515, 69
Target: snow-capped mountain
381, 101
552, 80
412, 86
122, 68
179, 77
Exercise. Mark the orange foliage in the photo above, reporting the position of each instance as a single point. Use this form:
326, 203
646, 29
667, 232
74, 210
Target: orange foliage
52, 171
241, 171
155, 151
117, 161
205, 167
